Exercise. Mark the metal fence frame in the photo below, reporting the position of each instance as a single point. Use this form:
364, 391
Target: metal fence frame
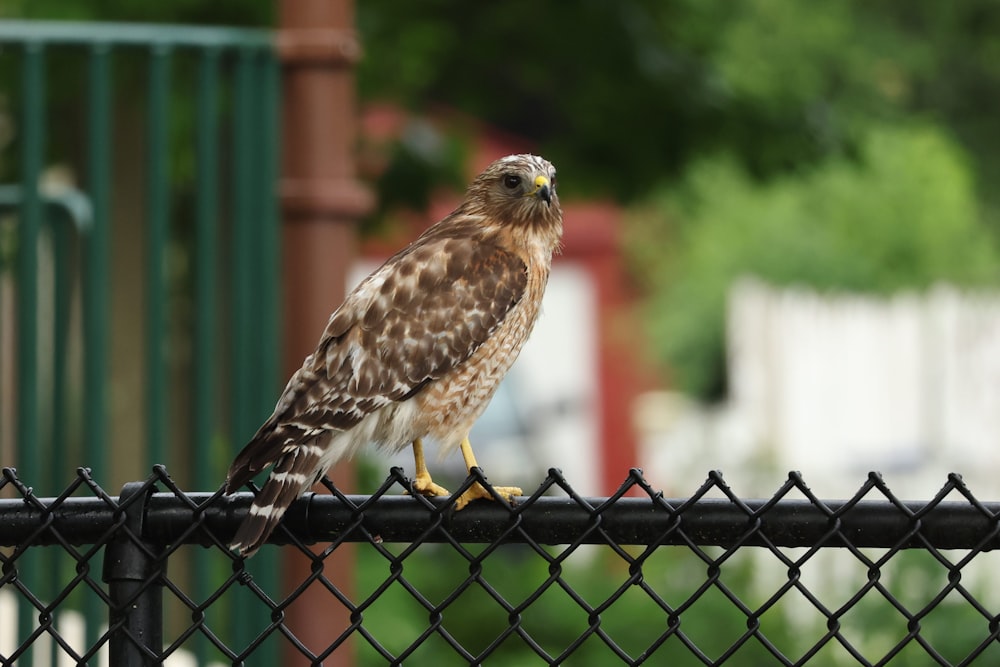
227, 83
254, 130
145, 525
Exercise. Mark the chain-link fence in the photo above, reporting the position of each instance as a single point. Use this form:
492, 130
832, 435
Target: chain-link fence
556, 579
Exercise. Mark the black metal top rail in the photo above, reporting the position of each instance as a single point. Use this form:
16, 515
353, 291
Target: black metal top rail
472, 604
175, 517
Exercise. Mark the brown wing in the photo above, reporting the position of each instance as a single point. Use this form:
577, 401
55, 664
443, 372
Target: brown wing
424, 312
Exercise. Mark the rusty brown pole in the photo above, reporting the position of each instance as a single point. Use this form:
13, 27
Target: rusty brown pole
321, 202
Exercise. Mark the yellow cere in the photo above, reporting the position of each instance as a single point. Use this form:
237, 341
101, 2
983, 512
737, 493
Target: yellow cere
541, 181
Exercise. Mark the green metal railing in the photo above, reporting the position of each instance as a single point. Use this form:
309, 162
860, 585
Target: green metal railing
207, 101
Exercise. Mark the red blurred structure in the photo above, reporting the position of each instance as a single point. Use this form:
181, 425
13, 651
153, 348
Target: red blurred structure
321, 202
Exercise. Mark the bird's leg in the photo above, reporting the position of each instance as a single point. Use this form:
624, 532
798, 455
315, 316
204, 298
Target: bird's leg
422, 482
477, 490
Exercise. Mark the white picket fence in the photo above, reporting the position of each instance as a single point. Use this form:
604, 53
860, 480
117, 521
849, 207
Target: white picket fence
71, 626
835, 385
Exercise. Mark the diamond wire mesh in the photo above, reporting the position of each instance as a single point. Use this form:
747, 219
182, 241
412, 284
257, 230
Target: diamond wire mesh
707, 580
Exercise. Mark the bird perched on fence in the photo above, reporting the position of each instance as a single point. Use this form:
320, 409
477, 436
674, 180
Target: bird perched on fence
418, 349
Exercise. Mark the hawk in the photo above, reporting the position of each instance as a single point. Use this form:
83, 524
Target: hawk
418, 349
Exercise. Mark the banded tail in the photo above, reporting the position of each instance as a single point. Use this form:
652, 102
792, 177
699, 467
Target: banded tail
299, 464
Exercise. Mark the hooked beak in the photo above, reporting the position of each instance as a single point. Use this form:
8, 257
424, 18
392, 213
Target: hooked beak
543, 189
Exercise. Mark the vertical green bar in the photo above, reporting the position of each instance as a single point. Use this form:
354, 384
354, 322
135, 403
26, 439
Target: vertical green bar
32, 150
266, 258
55, 564
60, 230
269, 234
242, 322
157, 220
96, 283
205, 258
32, 154
97, 260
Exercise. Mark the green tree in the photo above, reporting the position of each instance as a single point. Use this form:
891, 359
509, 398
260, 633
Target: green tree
626, 95
552, 616
902, 215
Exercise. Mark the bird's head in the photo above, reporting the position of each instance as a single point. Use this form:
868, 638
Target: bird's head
518, 190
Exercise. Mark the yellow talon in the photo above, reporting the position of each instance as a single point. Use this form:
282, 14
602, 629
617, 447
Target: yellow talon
477, 491
425, 486
422, 482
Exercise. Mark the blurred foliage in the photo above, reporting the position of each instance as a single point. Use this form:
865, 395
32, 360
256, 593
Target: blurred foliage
624, 95
709, 619
407, 171
753, 135
903, 214
553, 618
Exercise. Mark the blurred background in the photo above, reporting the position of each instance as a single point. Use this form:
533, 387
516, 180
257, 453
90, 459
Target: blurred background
781, 224
780, 251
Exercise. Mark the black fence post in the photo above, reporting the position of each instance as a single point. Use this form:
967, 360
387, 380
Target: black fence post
134, 575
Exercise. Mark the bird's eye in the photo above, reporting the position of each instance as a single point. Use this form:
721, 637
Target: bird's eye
511, 181
552, 181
